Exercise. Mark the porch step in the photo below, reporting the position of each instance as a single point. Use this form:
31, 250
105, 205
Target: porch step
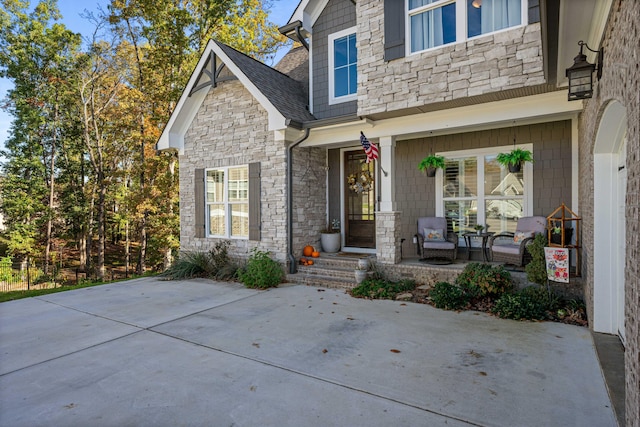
329, 271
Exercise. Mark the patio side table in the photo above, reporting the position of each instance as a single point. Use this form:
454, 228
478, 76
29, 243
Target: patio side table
483, 237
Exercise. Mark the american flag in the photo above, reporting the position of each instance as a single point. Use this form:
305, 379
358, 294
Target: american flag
370, 149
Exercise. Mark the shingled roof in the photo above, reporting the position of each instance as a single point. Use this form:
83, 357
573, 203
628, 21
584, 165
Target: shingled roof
286, 94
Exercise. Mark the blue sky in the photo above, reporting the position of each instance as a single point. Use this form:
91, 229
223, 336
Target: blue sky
71, 10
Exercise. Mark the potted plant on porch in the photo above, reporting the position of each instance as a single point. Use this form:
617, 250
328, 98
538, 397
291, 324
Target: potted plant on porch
431, 164
514, 159
330, 237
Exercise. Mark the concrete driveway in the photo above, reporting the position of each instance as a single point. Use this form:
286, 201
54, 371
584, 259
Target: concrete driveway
202, 353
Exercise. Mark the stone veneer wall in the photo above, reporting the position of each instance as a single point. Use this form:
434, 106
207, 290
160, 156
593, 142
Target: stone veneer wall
309, 197
230, 129
505, 60
620, 82
388, 237
416, 194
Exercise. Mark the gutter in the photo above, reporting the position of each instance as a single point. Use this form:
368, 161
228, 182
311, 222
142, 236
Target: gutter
292, 260
296, 27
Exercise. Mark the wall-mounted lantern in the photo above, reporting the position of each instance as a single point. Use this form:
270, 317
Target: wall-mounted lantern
580, 74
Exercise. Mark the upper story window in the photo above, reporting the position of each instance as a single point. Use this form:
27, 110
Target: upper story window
227, 202
434, 23
343, 66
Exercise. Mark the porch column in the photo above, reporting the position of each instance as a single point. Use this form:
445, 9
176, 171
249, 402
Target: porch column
387, 178
387, 219
388, 237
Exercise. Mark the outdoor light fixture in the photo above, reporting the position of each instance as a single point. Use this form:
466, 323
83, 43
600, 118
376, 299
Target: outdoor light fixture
580, 74
476, 4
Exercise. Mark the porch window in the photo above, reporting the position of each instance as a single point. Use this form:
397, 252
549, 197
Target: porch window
475, 189
227, 202
343, 66
434, 23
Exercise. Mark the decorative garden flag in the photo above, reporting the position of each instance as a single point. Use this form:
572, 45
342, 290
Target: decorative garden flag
370, 149
557, 260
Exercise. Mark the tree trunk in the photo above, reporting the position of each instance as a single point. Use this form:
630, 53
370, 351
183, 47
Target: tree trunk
102, 190
47, 246
82, 249
168, 254
127, 249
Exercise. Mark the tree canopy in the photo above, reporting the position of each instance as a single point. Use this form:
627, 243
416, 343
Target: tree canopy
81, 167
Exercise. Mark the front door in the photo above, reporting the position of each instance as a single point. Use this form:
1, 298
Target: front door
360, 224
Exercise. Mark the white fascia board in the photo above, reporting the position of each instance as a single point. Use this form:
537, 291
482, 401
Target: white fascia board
308, 12
298, 13
542, 108
172, 136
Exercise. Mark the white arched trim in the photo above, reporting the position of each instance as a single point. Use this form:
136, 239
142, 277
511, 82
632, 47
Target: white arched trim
606, 268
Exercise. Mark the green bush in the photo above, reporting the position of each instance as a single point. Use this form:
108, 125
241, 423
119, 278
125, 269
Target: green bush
449, 297
537, 268
6, 269
261, 271
382, 289
484, 279
531, 303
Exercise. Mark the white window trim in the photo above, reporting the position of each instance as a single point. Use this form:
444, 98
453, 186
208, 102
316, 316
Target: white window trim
527, 172
227, 204
332, 37
461, 23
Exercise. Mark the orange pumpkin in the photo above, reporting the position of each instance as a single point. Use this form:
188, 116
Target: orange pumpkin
308, 250
315, 254
310, 262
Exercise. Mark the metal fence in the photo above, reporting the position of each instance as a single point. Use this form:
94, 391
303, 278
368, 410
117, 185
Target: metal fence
23, 276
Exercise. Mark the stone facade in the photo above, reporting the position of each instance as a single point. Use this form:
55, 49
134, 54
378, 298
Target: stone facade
510, 59
309, 197
415, 193
388, 237
230, 129
620, 83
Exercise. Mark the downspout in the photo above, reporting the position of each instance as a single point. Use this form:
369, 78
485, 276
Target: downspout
292, 260
301, 39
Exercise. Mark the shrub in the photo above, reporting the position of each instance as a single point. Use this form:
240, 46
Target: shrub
531, 303
219, 257
213, 264
382, 289
188, 265
448, 296
261, 271
484, 279
537, 268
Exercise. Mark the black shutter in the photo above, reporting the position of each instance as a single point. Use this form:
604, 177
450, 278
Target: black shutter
393, 29
254, 201
198, 189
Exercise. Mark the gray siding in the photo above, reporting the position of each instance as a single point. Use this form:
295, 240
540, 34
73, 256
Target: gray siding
337, 16
416, 194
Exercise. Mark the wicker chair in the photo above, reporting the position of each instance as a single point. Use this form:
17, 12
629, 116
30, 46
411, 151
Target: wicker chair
511, 248
437, 243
